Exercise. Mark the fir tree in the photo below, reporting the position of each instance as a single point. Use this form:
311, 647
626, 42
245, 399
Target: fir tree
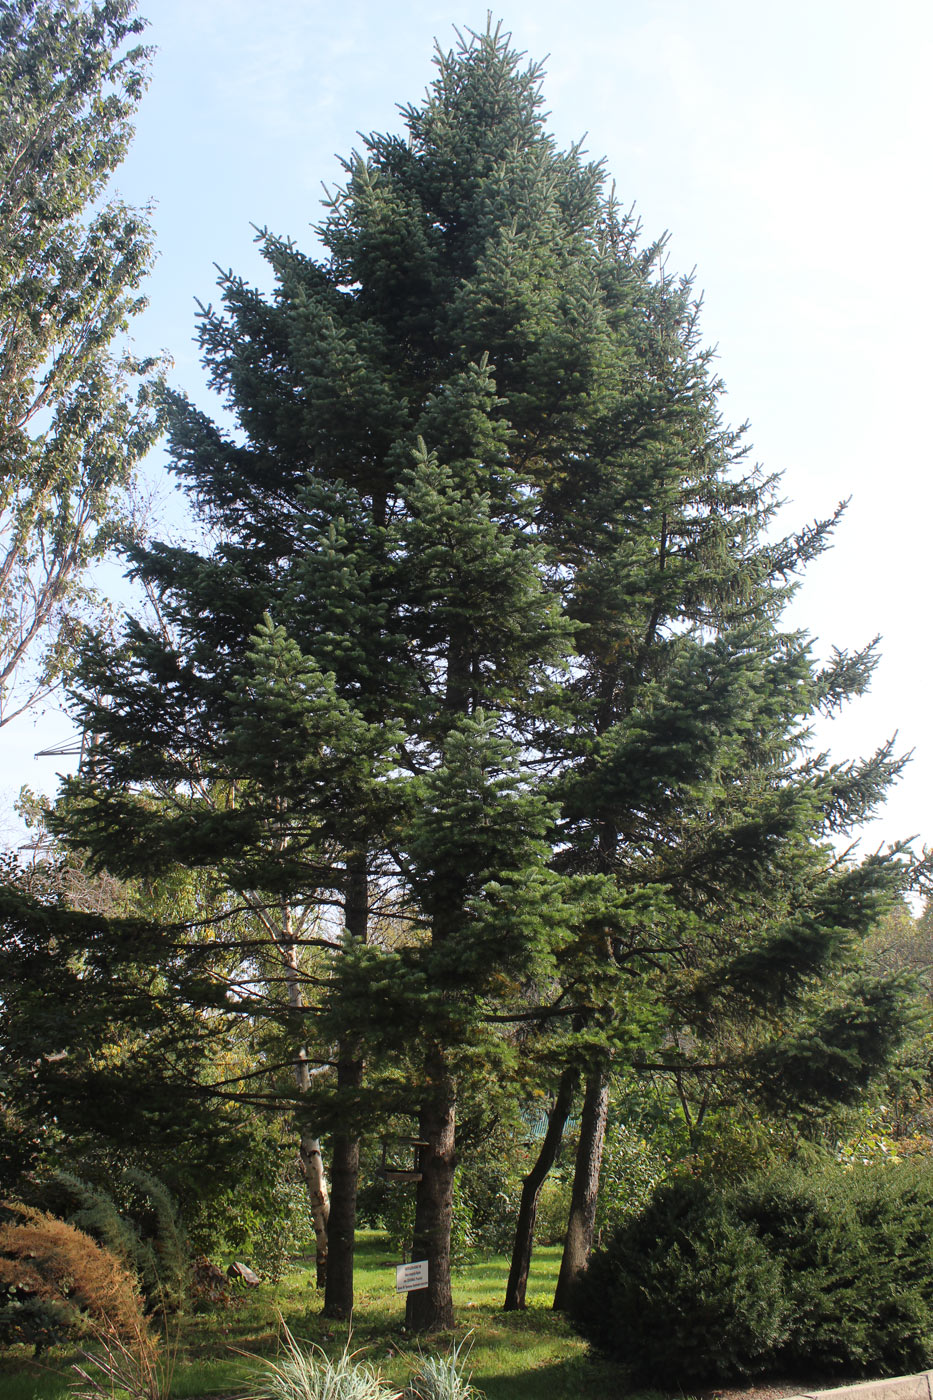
488, 627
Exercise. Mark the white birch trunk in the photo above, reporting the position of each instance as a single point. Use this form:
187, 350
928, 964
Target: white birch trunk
309, 1151
310, 1158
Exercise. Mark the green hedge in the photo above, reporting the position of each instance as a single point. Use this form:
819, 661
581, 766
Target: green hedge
791, 1271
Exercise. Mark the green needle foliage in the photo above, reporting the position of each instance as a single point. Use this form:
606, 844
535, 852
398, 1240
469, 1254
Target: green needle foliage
480, 662
101, 1049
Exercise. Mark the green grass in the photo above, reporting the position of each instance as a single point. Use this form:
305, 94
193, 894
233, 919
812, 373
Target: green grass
532, 1355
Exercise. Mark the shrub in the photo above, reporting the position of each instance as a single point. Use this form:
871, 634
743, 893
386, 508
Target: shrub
444, 1377
553, 1208
829, 1271
488, 1189
53, 1278
633, 1168
139, 1369
301, 1374
858, 1263
389, 1206
684, 1292
264, 1217
138, 1223
286, 1229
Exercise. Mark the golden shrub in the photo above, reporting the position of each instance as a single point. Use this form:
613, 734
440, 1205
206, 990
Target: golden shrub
54, 1262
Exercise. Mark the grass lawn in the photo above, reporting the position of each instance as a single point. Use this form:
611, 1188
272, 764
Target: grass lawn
532, 1355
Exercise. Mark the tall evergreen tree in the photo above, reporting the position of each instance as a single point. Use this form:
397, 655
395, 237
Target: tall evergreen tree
706, 789
486, 621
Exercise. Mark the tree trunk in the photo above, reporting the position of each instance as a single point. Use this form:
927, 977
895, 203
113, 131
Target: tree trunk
341, 1226
309, 1151
345, 1162
431, 1309
582, 1220
312, 1169
531, 1190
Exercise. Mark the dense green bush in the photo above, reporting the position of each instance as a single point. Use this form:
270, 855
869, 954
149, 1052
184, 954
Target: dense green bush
684, 1291
264, 1219
633, 1168
138, 1221
856, 1246
554, 1207
829, 1271
488, 1190
282, 1231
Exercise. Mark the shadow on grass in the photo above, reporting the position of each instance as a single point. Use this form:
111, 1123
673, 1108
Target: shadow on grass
575, 1378
35, 1382
527, 1355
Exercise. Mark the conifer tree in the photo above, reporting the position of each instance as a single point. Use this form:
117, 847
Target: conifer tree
485, 623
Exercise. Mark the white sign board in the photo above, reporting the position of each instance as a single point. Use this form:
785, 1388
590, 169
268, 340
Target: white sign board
408, 1277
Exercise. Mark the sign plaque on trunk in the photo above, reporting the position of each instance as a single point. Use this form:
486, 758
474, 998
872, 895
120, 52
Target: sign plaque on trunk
408, 1277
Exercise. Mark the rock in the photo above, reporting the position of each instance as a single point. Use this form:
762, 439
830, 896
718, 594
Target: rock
242, 1273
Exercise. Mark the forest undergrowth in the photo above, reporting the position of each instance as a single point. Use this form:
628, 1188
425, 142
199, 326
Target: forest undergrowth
530, 1355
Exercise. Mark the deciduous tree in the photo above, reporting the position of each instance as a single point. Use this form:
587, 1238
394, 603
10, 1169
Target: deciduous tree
72, 424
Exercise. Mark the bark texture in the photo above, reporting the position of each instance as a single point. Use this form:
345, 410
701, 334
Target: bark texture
581, 1225
341, 1226
312, 1169
431, 1309
531, 1190
310, 1159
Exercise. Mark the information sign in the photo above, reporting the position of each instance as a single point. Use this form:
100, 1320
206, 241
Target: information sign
408, 1277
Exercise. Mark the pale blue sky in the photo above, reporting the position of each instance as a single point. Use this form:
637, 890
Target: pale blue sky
783, 146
